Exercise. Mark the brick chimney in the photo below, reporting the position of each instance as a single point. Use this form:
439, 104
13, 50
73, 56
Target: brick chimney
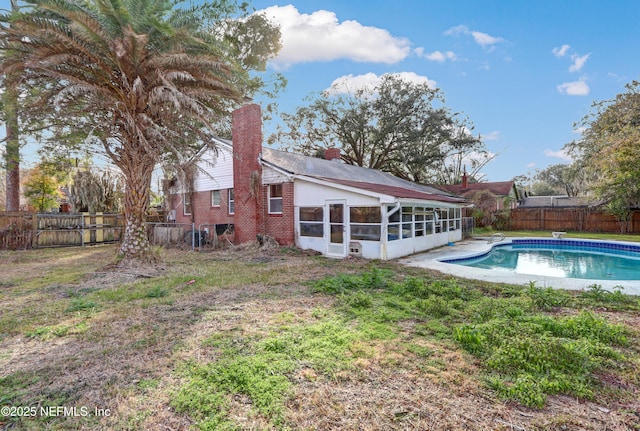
246, 125
332, 154
465, 180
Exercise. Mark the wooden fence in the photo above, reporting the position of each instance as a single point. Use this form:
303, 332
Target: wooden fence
570, 219
16, 230
22, 230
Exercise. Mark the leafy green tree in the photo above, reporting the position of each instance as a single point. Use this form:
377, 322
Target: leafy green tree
399, 126
145, 81
560, 179
610, 149
42, 190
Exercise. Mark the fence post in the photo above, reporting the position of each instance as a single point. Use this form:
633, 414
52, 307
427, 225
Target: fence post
82, 233
99, 227
34, 238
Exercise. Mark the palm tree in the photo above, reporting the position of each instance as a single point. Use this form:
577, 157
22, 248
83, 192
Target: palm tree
146, 80
12, 149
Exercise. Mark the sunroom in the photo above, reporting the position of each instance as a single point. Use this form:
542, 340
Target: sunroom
372, 221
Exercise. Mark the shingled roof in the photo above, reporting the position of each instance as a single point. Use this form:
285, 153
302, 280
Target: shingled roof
355, 176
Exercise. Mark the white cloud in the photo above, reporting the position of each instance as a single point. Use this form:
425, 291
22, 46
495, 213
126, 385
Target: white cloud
321, 37
531, 165
617, 77
578, 62
575, 88
560, 154
483, 39
492, 136
440, 56
459, 29
351, 83
562, 51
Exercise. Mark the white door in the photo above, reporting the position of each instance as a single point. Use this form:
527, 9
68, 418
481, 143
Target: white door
336, 226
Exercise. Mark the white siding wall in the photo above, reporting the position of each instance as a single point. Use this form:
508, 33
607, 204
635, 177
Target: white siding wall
271, 176
405, 247
215, 171
310, 194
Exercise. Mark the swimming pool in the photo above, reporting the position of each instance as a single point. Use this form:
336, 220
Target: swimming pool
564, 258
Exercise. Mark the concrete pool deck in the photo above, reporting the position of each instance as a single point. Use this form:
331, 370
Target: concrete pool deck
471, 247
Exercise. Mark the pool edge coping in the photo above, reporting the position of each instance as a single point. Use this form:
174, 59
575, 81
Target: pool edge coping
474, 247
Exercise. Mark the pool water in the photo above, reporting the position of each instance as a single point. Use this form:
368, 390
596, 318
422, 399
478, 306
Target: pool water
584, 260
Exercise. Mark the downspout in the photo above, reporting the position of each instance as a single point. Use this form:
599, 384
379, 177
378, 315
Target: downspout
393, 211
262, 198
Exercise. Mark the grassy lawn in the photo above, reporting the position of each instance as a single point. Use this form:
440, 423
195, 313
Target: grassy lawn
251, 339
547, 234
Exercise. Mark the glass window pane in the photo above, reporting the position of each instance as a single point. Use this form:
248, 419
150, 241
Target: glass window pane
335, 213
312, 229
215, 198
275, 190
393, 232
406, 230
365, 232
336, 234
407, 214
365, 214
311, 213
275, 205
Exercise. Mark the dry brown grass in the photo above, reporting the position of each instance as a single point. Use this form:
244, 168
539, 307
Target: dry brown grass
125, 355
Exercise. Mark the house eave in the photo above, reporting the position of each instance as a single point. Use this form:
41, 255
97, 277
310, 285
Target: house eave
382, 197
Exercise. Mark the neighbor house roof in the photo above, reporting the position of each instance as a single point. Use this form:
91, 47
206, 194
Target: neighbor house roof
500, 188
556, 202
354, 176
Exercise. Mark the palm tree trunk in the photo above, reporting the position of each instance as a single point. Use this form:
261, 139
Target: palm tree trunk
12, 153
135, 247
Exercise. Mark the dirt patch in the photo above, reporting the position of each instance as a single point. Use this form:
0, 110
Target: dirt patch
126, 356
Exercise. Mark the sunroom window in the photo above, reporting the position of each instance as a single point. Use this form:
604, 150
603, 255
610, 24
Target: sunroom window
365, 223
311, 221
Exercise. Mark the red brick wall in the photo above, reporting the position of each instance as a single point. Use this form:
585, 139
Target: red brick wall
175, 203
202, 210
247, 172
280, 226
205, 213
251, 212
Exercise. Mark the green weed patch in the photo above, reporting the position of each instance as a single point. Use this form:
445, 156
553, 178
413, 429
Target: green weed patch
262, 369
527, 355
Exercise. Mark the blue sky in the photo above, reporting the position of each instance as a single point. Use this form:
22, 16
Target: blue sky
522, 71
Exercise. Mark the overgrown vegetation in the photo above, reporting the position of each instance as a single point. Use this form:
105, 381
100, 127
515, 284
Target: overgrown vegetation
283, 341
526, 353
